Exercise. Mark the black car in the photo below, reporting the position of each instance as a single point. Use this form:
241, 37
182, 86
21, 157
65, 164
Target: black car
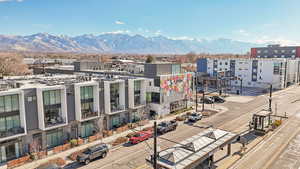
218, 99
166, 126
207, 100
92, 153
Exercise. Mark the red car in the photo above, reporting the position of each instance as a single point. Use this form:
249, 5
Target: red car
140, 136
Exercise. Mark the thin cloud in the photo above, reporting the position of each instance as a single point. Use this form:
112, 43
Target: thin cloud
11, 1
118, 32
243, 32
119, 23
158, 32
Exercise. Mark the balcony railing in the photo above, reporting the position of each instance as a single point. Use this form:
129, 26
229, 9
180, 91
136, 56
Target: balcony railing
89, 114
117, 108
54, 121
12, 132
140, 103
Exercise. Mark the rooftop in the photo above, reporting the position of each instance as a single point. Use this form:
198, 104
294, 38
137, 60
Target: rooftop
35, 81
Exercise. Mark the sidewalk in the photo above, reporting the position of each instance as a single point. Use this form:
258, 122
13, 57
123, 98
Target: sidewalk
66, 153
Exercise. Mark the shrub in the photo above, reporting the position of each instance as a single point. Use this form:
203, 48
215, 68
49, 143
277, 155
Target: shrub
73, 142
58, 161
120, 140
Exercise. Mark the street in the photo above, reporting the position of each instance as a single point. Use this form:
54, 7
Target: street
236, 119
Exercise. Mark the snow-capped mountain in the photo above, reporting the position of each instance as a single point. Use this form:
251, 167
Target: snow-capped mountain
120, 43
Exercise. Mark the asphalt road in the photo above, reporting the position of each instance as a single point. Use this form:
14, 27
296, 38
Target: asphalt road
235, 119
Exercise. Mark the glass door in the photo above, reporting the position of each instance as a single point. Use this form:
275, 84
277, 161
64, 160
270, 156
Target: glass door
10, 152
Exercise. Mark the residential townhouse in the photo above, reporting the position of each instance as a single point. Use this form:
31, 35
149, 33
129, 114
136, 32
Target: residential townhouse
39, 112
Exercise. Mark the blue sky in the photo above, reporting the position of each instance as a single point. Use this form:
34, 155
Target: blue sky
247, 20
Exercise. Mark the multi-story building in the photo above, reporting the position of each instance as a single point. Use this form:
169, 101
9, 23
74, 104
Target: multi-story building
254, 72
170, 89
276, 51
40, 112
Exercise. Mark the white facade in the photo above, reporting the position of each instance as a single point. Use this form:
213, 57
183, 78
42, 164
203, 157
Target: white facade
21, 111
261, 75
107, 106
96, 108
131, 103
41, 113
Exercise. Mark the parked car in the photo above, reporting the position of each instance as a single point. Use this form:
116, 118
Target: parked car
218, 99
140, 136
207, 100
193, 117
166, 126
92, 153
50, 166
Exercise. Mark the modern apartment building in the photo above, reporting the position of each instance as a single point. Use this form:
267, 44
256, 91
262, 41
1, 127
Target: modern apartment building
276, 51
41, 112
254, 72
170, 89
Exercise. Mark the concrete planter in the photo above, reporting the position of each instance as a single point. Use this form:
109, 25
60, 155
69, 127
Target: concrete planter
58, 149
92, 138
80, 141
18, 162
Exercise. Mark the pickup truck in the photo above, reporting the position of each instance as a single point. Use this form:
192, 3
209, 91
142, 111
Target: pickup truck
193, 117
92, 153
165, 127
140, 136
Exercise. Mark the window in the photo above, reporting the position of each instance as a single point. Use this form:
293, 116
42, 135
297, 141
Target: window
258, 56
114, 96
258, 51
9, 103
51, 97
275, 51
275, 56
266, 51
157, 82
155, 97
293, 56
293, 51
9, 122
54, 138
86, 92
226, 63
282, 51
220, 63
87, 129
137, 92
276, 68
282, 56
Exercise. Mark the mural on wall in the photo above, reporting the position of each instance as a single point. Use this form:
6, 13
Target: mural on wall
178, 84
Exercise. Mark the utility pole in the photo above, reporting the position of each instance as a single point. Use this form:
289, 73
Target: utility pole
270, 98
196, 84
155, 146
203, 96
241, 86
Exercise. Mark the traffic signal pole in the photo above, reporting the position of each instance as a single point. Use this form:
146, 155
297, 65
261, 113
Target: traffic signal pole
270, 98
155, 146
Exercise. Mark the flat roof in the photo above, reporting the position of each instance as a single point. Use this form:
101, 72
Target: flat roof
263, 113
197, 148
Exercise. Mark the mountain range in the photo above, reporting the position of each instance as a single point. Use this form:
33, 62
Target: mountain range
120, 43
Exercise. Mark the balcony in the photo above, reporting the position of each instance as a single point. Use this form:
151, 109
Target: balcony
12, 132
139, 103
117, 108
89, 114
54, 121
